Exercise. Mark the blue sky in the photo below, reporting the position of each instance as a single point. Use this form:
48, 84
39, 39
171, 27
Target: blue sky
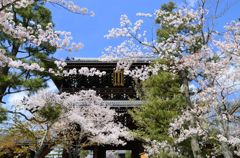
90, 30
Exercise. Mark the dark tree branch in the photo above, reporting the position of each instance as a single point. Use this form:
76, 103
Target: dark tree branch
23, 115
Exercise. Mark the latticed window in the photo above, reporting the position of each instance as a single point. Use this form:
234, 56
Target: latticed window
118, 78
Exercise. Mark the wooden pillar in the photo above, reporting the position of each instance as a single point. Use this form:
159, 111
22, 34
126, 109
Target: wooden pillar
65, 153
137, 150
99, 152
135, 153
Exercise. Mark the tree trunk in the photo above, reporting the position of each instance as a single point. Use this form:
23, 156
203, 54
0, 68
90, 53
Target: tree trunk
71, 153
194, 139
43, 151
3, 85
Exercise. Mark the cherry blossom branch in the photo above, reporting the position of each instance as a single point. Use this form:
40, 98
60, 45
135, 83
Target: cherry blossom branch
70, 6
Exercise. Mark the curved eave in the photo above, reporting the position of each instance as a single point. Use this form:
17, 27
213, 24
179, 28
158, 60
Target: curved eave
123, 103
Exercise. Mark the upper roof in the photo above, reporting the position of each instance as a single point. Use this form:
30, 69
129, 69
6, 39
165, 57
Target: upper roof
99, 60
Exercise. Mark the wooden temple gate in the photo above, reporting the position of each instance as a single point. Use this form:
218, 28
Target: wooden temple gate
117, 91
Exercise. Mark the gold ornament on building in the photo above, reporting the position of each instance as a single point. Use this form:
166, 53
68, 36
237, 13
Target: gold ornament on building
118, 78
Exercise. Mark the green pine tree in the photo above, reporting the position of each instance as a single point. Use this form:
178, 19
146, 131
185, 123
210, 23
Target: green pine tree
12, 81
162, 94
164, 102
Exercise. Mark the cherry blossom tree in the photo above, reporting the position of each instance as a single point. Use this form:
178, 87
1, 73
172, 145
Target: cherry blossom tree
72, 120
207, 64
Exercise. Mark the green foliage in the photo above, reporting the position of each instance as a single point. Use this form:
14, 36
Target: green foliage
16, 82
33, 15
50, 112
33, 84
3, 114
37, 13
164, 101
169, 7
165, 30
84, 153
16, 142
